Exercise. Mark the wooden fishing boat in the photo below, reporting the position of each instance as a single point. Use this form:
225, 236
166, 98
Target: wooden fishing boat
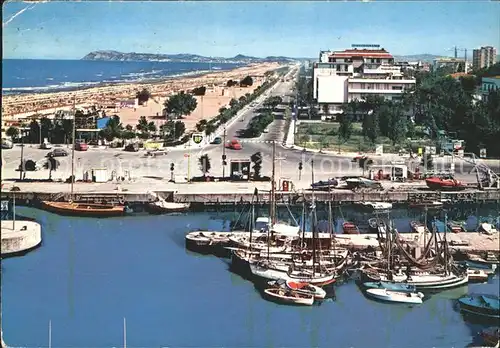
429, 205
350, 228
83, 209
266, 270
487, 228
376, 206
392, 286
395, 296
487, 306
442, 184
289, 296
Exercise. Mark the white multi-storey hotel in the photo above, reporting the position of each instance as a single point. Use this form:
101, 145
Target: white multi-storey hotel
344, 76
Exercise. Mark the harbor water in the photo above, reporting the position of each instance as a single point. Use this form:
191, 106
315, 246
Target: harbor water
89, 274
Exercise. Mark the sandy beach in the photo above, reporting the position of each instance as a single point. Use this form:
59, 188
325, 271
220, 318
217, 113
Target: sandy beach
18, 107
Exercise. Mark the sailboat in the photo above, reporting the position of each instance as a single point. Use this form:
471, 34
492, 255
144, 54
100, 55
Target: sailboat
315, 275
81, 209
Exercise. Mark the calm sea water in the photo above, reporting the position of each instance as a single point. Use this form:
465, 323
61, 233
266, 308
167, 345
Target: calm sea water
91, 273
37, 75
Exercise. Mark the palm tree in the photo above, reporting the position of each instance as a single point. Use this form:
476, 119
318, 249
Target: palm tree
201, 125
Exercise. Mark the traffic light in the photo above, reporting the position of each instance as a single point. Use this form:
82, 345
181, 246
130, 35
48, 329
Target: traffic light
224, 157
224, 163
300, 165
171, 167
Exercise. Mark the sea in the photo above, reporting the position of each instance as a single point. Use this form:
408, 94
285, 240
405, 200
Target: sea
100, 282
38, 75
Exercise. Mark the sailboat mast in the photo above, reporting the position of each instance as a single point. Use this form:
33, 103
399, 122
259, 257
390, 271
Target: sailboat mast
73, 148
252, 221
445, 245
124, 333
303, 220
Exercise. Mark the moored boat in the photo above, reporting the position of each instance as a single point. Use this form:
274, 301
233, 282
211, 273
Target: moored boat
491, 336
438, 183
487, 306
401, 287
289, 296
265, 270
303, 288
487, 228
456, 227
395, 296
430, 205
83, 209
376, 206
162, 207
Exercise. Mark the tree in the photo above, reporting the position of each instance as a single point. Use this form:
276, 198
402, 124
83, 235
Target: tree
210, 128
143, 96
12, 132
370, 126
142, 124
247, 81
204, 163
34, 132
173, 130
242, 100
345, 129
46, 128
233, 103
256, 159
231, 83
199, 91
113, 129
180, 105
222, 110
201, 125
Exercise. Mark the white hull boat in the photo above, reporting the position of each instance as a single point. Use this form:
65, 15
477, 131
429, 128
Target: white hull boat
477, 275
426, 281
289, 296
395, 296
377, 205
295, 276
307, 289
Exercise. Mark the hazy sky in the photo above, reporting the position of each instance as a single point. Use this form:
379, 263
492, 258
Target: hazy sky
68, 30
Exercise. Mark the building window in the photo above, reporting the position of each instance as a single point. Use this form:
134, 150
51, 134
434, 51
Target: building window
378, 60
338, 67
398, 88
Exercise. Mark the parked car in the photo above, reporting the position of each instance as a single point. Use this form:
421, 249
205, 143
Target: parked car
7, 144
57, 153
234, 144
217, 140
46, 146
132, 147
81, 146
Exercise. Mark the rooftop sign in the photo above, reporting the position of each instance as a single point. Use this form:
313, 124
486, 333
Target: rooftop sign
365, 46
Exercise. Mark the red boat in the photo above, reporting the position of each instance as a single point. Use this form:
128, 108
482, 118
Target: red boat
437, 183
350, 228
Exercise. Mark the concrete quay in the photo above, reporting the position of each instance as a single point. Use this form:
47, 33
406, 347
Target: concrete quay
228, 193
20, 237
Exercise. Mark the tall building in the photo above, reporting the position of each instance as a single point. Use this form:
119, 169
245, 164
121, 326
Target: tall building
344, 76
484, 57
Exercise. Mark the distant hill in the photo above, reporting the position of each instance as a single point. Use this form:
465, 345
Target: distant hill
425, 57
181, 57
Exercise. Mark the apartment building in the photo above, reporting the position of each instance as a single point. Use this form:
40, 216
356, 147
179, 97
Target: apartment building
484, 57
343, 76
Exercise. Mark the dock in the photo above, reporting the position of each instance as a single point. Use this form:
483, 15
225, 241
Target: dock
200, 197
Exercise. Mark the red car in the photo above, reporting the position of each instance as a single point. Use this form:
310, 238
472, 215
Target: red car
80, 146
234, 144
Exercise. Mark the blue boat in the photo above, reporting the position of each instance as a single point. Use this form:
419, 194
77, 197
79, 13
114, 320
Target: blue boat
401, 287
482, 305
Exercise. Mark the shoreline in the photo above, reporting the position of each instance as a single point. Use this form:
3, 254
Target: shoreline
17, 106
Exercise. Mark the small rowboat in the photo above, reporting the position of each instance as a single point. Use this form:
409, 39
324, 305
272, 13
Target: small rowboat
289, 296
307, 289
395, 296
83, 209
303, 288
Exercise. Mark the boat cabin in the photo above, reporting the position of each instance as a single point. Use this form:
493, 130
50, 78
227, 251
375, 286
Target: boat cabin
393, 172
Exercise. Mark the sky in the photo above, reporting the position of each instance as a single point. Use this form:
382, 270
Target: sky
70, 30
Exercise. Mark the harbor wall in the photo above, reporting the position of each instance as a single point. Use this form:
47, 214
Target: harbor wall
222, 198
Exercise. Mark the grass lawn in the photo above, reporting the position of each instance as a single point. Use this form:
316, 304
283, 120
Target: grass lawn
325, 135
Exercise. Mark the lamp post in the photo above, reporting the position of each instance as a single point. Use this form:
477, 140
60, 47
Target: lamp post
224, 154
